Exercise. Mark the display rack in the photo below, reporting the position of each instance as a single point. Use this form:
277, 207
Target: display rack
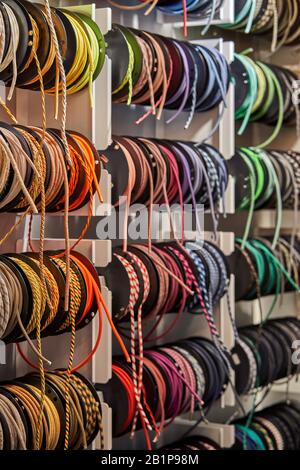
97, 121
264, 221
123, 123
94, 121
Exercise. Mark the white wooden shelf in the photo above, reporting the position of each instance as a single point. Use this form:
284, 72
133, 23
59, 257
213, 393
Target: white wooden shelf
107, 427
293, 386
222, 434
247, 312
8, 361
102, 359
266, 220
278, 393
2, 353
229, 199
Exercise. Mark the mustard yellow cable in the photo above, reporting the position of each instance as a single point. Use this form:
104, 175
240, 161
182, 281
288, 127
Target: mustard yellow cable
262, 85
39, 303
93, 58
86, 58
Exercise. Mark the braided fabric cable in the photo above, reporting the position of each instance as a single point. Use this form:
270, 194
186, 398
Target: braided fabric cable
197, 368
193, 282
194, 100
206, 294
134, 294
224, 288
11, 55
4, 306
15, 424
146, 285
160, 414
273, 430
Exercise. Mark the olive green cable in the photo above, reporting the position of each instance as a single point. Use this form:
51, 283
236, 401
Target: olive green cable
270, 88
262, 88
128, 76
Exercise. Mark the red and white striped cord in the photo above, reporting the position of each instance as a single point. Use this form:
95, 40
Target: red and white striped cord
146, 282
134, 294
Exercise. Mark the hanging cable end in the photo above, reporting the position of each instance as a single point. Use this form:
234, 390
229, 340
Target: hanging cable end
247, 51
